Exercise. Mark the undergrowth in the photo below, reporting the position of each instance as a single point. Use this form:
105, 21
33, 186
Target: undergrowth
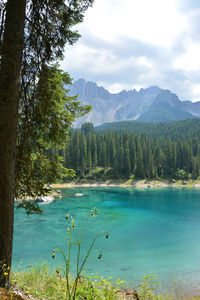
41, 283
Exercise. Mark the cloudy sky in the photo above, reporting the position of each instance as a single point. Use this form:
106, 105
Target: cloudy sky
128, 44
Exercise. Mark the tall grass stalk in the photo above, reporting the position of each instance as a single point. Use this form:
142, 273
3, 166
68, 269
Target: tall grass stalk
71, 241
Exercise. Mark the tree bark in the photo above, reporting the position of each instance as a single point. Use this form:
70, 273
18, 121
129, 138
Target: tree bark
9, 97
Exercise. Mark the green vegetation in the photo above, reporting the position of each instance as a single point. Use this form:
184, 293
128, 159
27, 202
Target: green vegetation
43, 283
148, 289
169, 130
74, 238
111, 154
53, 111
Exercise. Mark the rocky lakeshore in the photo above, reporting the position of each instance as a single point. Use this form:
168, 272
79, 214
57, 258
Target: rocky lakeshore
52, 195
140, 184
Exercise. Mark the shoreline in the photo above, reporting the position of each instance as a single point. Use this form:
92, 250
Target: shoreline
138, 184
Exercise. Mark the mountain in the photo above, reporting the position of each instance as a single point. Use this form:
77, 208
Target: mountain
152, 104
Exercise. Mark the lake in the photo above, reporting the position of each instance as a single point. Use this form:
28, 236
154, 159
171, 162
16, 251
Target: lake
150, 232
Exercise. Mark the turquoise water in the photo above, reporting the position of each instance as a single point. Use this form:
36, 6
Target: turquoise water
151, 232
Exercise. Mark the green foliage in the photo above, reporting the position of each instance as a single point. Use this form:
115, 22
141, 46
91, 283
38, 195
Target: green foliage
149, 289
43, 132
87, 128
181, 174
75, 238
43, 283
45, 112
168, 130
125, 154
40, 282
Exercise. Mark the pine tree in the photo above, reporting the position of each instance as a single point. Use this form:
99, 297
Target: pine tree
10, 65
47, 29
83, 154
126, 167
139, 172
87, 128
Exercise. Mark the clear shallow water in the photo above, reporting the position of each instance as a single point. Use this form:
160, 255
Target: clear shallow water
150, 232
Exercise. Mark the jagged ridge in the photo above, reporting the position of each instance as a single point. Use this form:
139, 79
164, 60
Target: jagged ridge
152, 104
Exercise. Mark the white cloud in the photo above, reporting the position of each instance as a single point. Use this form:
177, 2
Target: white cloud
154, 21
130, 44
189, 60
196, 91
144, 61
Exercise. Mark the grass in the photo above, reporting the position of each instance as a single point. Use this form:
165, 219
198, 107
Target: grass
41, 283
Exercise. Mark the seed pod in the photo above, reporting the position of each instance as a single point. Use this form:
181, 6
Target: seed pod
100, 255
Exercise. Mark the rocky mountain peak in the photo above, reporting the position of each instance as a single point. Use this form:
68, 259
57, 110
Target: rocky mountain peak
151, 104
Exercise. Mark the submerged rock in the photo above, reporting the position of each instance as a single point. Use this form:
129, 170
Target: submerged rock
79, 195
45, 199
58, 193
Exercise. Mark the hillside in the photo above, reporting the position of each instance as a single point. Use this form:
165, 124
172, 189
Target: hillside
183, 129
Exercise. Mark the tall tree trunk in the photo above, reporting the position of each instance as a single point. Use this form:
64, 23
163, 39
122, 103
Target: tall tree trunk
9, 96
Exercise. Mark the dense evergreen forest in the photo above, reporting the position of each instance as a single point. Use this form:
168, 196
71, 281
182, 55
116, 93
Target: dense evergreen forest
121, 154
173, 130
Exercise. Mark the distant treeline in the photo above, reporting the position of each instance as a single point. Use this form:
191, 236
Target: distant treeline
148, 154
174, 130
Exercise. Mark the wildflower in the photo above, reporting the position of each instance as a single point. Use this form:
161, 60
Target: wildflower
5, 274
107, 235
100, 255
8, 268
68, 229
67, 217
4, 265
53, 255
96, 210
92, 214
73, 225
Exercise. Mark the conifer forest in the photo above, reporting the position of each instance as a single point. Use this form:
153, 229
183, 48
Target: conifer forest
138, 153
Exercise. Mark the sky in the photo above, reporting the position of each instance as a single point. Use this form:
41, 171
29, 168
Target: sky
131, 44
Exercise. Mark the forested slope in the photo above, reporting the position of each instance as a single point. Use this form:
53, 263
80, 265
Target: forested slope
147, 151
173, 130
